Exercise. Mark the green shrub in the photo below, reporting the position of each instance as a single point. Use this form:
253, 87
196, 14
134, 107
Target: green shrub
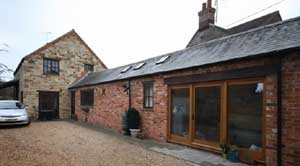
133, 118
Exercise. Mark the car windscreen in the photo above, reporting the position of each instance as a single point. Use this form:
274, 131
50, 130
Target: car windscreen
11, 105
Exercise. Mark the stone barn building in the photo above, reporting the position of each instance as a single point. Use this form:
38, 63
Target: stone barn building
43, 76
237, 86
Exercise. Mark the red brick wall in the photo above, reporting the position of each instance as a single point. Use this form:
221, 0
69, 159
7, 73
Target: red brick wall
109, 106
154, 122
291, 110
109, 103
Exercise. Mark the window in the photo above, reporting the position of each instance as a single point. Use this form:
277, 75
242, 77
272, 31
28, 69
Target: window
245, 114
88, 68
180, 112
126, 69
162, 59
148, 95
140, 65
87, 97
207, 113
51, 66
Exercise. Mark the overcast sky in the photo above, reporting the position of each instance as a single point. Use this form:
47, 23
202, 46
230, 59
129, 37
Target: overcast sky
119, 31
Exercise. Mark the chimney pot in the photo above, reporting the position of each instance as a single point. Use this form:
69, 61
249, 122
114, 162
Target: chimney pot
203, 6
206, 16
208, 4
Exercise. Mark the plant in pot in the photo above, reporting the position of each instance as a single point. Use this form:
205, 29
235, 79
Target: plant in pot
133, 121
225, 149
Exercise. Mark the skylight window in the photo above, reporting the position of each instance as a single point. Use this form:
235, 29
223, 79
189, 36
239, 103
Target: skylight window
126, 69
162, 60
140, 65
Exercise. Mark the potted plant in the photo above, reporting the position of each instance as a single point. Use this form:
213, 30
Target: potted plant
225, 149
133, 121
233, 154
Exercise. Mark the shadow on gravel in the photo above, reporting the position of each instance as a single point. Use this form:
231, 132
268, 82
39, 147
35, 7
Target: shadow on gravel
12, 127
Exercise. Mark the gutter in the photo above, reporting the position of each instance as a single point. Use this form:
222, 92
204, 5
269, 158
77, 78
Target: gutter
279, 113
129, 94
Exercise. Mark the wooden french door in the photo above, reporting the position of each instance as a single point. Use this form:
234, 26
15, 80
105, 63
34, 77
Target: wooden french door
208, 115
179, 123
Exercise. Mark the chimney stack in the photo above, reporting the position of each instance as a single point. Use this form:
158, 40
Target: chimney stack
207, 15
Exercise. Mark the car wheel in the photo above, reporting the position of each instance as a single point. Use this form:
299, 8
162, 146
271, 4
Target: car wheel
27, 124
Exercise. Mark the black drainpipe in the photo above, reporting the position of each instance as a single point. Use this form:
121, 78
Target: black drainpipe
279, 113
129, 94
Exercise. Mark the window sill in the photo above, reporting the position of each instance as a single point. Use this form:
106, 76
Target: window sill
86, 108
148, 109
51, 74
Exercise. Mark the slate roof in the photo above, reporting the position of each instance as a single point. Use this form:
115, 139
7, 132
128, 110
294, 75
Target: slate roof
213, 31
261, 21
276, 37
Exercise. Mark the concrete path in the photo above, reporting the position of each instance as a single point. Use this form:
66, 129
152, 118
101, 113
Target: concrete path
199, 157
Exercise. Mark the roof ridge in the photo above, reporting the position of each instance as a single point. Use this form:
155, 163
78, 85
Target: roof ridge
255, 19
53, 42
248, 31
43, 47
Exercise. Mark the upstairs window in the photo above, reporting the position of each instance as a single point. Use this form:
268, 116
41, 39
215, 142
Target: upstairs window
51, 66
87, 97
148, 95
88, 68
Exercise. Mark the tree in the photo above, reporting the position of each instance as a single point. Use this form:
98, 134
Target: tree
4, 69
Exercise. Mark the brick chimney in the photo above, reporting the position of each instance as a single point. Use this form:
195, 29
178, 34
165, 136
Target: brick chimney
207, 15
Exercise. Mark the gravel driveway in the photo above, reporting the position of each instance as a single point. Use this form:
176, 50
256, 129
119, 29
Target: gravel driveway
65, 143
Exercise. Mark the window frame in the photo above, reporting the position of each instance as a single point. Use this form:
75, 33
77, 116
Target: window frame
50, 70
84, 100
88, 66
148, 84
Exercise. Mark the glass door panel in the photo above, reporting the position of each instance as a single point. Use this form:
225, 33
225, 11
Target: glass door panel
207, 114
245, 116
180, 111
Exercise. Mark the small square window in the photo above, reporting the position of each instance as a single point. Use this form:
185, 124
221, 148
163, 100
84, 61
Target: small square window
51, 66
87, 97
88, 68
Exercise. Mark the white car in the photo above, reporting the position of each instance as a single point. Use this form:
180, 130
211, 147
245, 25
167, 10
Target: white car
13, 112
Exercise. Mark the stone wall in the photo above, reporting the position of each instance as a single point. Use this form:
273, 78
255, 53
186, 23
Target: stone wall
72, 55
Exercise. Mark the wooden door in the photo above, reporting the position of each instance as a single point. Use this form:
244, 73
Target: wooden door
48, 105
207, 111
180, 108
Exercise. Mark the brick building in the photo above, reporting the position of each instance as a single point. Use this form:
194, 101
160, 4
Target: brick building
42, 77
237, 86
